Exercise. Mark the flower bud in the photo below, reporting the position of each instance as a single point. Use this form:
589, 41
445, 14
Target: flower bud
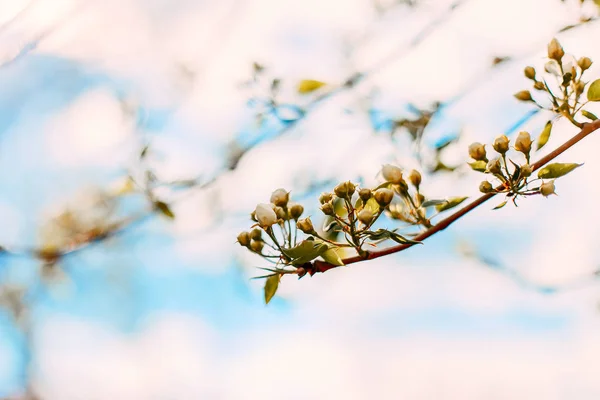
325, 198
486, 187
547, 188
415, 178
555, 50
265, 215
280, 197
526, 170
305, 225
344, 190
244, 239
529, 73
255, 234
383, 196
584, 63
253, 216
523, 95
327, 209
364, 194
494, 166
477, 151
296, 211
579, 87
420, 198
256, 246
523, 143
365, 216
501, 144
280, 212
539, 86
391, 173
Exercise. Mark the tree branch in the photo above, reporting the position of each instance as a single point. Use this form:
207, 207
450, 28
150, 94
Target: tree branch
322, 266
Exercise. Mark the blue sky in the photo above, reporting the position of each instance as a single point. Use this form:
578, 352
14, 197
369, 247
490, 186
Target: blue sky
167, 309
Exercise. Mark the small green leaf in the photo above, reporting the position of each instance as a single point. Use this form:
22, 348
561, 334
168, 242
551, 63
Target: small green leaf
431, 203
271, 285
333, 256
164, 209
450, 203
499, 206
588, 115
478, 166
372, 205
593, 93
305, 252
545, 135
556, 170
309, 85
382, 234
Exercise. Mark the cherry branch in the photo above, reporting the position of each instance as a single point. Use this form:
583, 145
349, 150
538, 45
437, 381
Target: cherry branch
322, 266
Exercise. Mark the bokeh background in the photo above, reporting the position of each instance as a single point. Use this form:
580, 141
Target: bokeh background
503, 305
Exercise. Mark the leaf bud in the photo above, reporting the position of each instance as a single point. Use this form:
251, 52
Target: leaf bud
364, 194
383, 196
391, 173
547, 188
477, 151
529, 73
494, 166
486, 187
523, 142
584, 63
555, 50
280, 197
325, 198
305, 225
327, 208
523, 95
255, 234
415, 178
296, 211
265, 216
365, 216
244, 238
256, 246
501, 144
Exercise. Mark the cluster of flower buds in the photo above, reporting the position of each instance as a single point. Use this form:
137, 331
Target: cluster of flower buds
511, 177
563, 84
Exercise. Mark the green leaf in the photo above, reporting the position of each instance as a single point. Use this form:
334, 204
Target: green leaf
271, 285
164, 209
309, 85
382, 234
478, 166
372, 205
545, 135
333, 256
305, 252
593, 93
450, 203
588, 115
431, 203
556, 170
499, 206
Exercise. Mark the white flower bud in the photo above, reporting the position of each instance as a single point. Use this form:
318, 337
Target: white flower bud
280, 197
365, 216
501, 144
477, 151
383, 196
486, 187
244, 239
391, 173
547, 188
494, 166
265, 215
305, 225
555, 50
523, 142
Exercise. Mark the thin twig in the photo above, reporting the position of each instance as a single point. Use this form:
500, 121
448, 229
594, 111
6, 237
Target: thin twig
322, 266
